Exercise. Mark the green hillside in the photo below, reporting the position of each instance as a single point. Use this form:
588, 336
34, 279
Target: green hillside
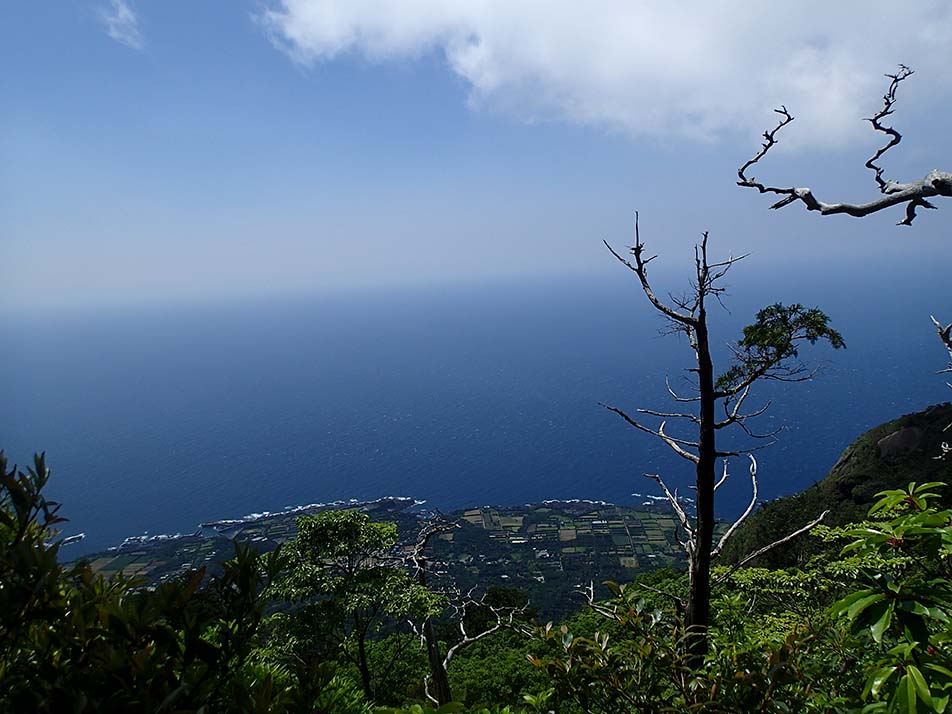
888, 456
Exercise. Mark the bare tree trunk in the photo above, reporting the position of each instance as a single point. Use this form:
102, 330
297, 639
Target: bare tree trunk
441, 681
698, 606
362, 660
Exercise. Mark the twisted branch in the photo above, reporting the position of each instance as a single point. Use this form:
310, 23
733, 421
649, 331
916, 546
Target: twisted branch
505, 617
914, 194
673, 443
777, 543
750, 507
889, 99
688, 544
640, 268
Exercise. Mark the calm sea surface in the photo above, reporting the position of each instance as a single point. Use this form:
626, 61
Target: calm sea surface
155, 419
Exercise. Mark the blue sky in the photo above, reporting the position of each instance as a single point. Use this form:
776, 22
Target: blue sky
162, 150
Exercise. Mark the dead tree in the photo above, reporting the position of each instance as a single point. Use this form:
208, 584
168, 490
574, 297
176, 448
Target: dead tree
436, 684
914, 194
768, 351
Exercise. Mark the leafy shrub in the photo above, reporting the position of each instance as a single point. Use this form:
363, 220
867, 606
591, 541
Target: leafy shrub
73, 641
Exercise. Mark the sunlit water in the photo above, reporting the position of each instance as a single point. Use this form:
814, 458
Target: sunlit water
156, 419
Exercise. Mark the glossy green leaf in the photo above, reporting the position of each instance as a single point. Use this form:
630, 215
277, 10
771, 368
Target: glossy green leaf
919, 682
882, 624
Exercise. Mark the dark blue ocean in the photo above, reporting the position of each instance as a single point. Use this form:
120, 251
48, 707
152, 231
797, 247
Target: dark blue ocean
157, 418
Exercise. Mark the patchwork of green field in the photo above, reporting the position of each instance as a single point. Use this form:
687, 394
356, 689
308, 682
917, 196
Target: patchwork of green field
590, 533
552, 550
549, 550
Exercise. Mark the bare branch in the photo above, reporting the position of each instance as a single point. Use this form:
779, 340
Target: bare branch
640, 268
674, 443
741, 419
426, 689
756, 413
749, 450
678, 510
756, 435
686, 303
760, 551
675, 396
707, 273
770, 139
588, 592
723, 478
889, 99
732, 415
945, 335
417, 556
505, 617
914, 194
726, 265
678, 601
750, 507
670, 415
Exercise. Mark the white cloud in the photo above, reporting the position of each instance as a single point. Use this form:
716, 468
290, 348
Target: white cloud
696, 68
121, 24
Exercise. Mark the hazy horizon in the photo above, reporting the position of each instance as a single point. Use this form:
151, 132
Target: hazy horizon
157, 419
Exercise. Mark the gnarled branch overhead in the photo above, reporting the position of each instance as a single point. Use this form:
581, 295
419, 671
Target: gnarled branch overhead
914, 194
